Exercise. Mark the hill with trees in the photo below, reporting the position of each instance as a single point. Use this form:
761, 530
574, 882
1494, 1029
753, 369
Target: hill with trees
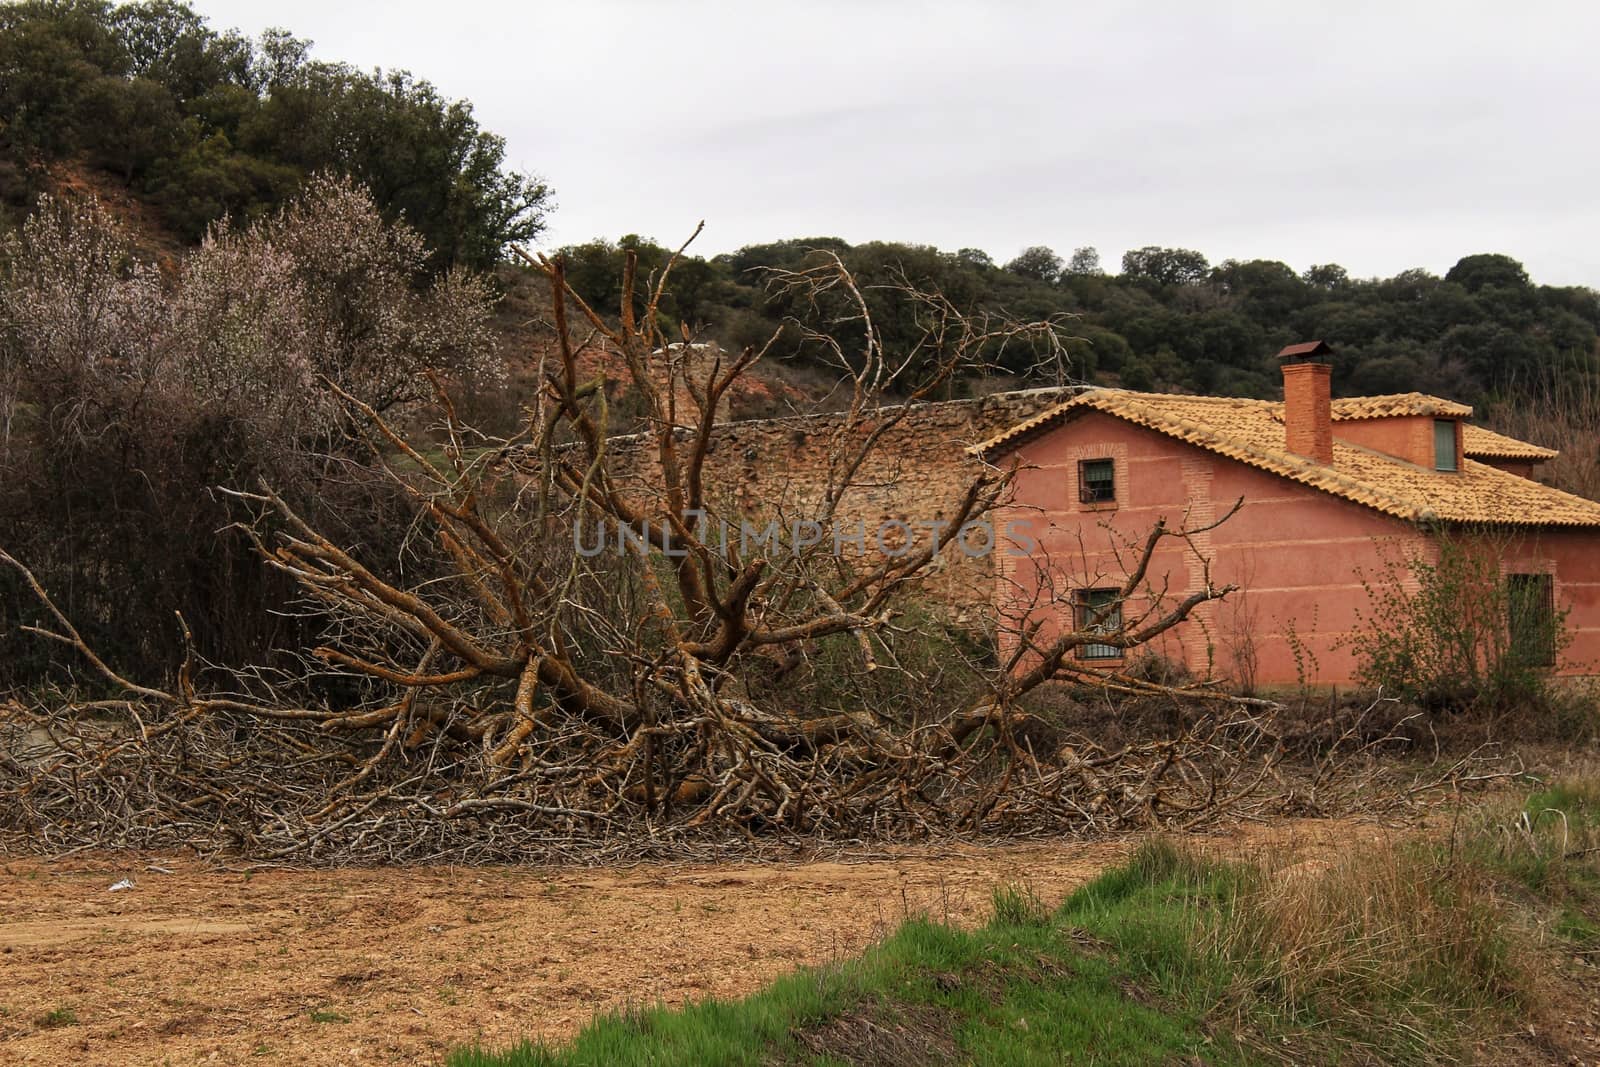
177, 125
1171, 320
197, 124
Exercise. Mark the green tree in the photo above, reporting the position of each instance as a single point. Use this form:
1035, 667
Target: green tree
1268, 290
208, 122
139, 124
1165, 266
1473, 273
170, 44
423, 156
1174, 322
1328, 276
1494, 353
975, 258
50, 56
1037, 262
1084, 261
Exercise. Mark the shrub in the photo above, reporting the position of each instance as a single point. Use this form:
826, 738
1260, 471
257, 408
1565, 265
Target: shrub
127, 397
1454, 631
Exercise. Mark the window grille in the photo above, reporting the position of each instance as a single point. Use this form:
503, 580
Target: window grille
1531, 603
1092, 604
1097, 481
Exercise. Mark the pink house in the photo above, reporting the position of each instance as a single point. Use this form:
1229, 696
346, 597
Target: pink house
1330, 490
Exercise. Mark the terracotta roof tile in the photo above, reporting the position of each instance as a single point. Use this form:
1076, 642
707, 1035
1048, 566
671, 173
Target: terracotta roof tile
1387, 406
1479, 443
1251, 432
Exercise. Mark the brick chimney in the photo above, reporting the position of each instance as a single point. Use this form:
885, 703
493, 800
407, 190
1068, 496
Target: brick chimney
1308, 400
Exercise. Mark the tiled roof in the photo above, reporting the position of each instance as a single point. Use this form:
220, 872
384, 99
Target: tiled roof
1392, 404
1486, 444
1251, 432
1476, 442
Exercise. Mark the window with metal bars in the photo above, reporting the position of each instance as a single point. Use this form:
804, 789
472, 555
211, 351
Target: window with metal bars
1531, 604
1097, 481
1101, 604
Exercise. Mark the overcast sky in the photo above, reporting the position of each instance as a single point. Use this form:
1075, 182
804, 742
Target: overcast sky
1377, 135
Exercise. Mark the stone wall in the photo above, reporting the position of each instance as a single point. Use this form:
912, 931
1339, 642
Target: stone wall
765, 469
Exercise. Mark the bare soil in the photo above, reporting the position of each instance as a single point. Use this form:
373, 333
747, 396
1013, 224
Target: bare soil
398, 965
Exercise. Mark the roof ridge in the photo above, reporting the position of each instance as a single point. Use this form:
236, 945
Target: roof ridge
1409, 393
1388, 405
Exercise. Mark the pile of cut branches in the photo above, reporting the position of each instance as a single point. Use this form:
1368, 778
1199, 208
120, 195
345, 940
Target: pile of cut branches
211, 775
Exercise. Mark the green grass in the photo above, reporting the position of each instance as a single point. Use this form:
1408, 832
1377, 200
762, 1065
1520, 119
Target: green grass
435, 455
1551, 850
1396, 952
1018, 991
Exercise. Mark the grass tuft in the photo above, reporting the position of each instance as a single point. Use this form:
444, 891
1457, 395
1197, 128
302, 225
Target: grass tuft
57, 1018
1018, 905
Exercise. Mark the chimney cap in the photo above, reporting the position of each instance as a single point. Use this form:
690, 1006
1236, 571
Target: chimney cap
1306, 352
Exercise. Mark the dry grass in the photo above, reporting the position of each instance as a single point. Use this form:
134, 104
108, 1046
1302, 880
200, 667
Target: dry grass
1391, 953
1392, 947
1404, 950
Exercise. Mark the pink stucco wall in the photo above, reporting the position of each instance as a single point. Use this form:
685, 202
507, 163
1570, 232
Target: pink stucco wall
1297, 554
1572, 557
1410, 437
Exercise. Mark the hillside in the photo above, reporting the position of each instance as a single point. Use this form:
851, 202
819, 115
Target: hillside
1170, 320
175, 124
192, 124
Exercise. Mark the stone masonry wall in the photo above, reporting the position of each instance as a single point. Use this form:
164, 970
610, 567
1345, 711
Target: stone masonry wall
765, 469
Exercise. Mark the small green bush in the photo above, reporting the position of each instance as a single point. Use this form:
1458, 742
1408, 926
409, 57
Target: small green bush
57, 1018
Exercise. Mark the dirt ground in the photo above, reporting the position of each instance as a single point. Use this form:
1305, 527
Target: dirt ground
398, 965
